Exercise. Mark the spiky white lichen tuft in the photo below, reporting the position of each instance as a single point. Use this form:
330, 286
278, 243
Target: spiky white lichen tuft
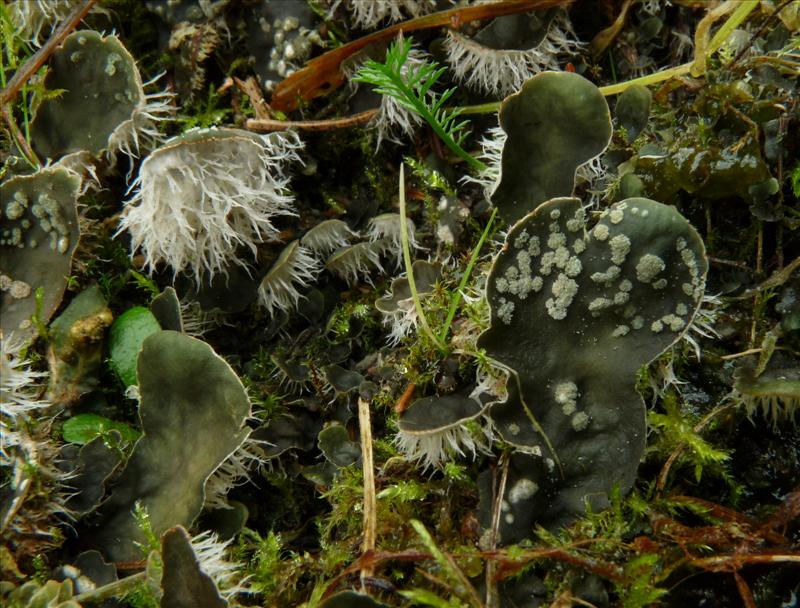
662, 377
141, 129
595, 178
20, 390
492, 157
702, 324
327, 236
36, 19
356, 261
401, 321
19, 384
196, 321
368, 14
210, 553
234, 470
205, 194
295, 269
491, 383
37, 498
429, 449
385, 232
502, 72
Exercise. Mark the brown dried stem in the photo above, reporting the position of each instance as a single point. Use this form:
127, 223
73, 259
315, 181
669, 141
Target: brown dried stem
269, 124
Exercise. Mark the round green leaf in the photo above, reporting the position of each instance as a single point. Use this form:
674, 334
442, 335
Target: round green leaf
127, 334
84, 428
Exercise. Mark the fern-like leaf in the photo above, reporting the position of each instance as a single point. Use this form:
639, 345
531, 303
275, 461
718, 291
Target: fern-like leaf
412, 89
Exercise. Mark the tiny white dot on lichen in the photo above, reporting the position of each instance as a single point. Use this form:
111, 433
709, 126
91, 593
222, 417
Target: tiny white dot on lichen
579, 246
616, 216
555, 214
656, 326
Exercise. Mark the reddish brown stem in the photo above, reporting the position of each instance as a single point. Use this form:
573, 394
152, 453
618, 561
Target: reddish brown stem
268, 124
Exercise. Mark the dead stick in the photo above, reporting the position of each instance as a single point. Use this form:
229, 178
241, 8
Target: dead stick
268, 124
38, 59
370, 515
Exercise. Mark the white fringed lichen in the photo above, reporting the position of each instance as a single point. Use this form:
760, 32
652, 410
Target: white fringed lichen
36, 19
36, 500
431, 448
205, 194
500, 72
356, 261
141, 130
327, 236
294, 269
384, 232
492, 157
367, 14
212, 558
234, 470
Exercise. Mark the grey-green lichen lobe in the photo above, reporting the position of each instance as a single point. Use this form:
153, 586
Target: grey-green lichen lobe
576, 343
38, 233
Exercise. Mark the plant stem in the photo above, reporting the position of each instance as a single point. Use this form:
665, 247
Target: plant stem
407, 260
451, 313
